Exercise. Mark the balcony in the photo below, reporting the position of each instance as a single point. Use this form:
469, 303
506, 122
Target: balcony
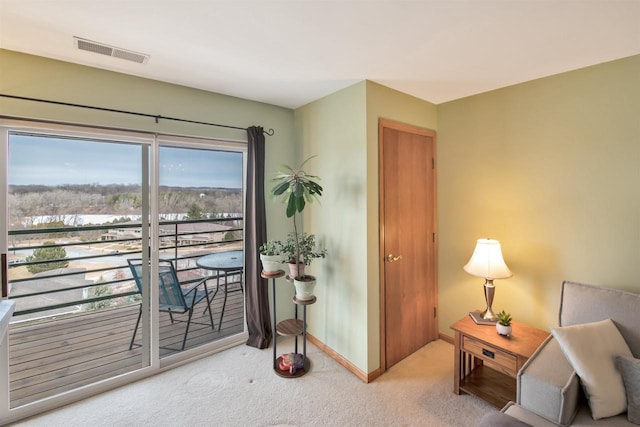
73, 325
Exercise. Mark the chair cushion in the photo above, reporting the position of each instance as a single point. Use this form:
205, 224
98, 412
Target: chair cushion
498, 419
630, 370
591, 348
526, 416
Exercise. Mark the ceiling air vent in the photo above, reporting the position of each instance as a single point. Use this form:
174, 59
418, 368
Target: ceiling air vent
107, 50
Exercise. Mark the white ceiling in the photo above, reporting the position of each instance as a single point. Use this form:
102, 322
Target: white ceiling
291, 52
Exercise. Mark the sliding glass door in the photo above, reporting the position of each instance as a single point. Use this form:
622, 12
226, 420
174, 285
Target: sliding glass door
100, 227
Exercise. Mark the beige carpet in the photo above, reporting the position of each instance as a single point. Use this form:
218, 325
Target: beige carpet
238, 388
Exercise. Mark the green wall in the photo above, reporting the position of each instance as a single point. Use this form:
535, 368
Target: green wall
342, 129
37, 77
334, 129
551, 168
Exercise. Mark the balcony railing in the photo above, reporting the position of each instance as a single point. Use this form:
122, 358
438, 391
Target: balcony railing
74, 323
92, 272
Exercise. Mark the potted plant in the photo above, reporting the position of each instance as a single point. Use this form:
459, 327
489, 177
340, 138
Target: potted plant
270, 255
308, 252
504, 323
296, 188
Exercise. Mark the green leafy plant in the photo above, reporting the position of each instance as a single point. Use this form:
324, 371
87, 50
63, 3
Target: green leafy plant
308, 248
296, 188
504, 318
271, 247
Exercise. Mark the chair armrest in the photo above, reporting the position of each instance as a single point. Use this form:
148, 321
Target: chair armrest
194, 286
548, 385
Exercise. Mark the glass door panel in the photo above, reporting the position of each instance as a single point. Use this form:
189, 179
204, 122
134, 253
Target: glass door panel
74, 219
201, 209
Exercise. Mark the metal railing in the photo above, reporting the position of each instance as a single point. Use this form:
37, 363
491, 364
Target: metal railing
54, 271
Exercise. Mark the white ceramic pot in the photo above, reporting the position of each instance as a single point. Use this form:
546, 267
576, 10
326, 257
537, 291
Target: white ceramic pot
503, 330
304, 288
270, 263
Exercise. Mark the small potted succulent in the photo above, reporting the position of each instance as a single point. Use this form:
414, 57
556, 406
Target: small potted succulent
503, 326
270, 255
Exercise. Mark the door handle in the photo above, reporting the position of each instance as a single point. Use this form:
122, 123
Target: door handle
393, 258
4, 271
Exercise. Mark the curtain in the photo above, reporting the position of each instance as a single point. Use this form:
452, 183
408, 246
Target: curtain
256, 288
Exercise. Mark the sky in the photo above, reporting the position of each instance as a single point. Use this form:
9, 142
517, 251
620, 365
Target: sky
56, 161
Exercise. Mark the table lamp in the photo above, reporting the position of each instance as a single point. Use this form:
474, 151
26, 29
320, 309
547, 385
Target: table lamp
487, 262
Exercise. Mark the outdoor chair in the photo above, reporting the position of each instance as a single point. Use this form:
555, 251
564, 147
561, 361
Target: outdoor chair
174, 298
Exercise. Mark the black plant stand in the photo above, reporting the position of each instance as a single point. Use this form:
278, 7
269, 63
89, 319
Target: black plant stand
290, 327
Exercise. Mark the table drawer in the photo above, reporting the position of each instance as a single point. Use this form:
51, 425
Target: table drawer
492, 356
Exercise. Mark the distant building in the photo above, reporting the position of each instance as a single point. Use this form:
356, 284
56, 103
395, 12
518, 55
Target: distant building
187, 234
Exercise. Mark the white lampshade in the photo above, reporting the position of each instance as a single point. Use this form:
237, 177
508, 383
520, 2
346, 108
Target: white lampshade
487, 261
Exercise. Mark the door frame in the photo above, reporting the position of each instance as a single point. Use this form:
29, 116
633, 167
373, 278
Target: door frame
390, 124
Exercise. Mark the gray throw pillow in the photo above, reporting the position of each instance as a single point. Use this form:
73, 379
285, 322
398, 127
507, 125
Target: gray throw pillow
630, 370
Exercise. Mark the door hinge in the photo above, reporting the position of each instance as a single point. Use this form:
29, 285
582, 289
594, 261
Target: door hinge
435, 312
434, 237
433, 163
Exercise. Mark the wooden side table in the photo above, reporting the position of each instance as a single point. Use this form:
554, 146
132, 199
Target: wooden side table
486, 364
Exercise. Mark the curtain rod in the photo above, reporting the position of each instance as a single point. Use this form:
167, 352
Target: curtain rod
269, 132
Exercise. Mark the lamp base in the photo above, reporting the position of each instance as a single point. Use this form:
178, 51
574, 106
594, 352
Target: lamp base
477, 317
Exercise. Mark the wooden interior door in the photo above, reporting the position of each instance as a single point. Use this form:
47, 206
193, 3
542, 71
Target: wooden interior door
408, 290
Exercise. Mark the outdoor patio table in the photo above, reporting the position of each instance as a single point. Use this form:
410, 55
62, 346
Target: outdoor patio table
227, 263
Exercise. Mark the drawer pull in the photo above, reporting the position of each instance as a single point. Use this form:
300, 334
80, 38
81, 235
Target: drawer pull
488, 353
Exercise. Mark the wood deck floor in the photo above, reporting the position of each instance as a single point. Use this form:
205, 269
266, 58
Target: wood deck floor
49, 357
